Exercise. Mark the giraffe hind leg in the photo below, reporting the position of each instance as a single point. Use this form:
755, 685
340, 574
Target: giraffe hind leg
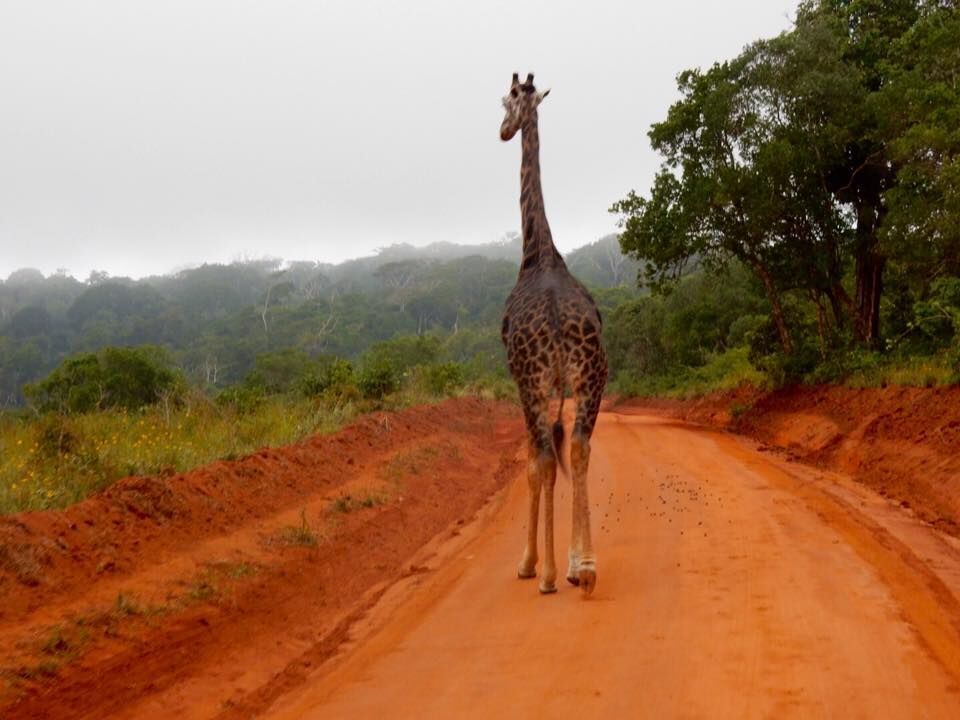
582, 568
528, 564
541, 478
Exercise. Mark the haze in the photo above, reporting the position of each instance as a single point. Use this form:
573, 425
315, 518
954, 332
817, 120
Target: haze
139, 137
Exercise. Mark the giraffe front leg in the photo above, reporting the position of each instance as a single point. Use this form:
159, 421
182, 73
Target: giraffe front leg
528, 565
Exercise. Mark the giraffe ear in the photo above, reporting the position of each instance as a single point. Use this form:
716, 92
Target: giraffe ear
542, 95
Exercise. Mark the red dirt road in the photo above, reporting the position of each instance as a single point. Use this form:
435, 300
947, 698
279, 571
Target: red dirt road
730, 584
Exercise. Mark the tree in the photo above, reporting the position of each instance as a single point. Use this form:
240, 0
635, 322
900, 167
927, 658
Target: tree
735, 185
920, 106
778, 159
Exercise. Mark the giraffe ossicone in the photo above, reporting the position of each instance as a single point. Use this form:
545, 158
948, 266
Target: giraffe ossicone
552, 333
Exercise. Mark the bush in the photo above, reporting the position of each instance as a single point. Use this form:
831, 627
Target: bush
338, 374
378, 378
440, 378
280, 371
242, 398
938, 317
129, 378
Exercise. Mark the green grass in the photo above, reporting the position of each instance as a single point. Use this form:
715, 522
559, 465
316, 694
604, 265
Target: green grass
52, 461
724, 371
855, 369
907, 372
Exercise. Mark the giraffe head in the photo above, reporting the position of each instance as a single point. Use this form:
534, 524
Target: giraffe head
520, 104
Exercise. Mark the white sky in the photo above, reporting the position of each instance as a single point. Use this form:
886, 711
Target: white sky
141, 136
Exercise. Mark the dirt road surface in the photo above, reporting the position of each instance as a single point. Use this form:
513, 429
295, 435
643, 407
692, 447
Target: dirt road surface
731, 583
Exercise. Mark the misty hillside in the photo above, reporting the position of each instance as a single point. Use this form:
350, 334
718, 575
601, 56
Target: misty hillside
217, 318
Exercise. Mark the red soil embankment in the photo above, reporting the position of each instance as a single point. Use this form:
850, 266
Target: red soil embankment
902, 442
133, 600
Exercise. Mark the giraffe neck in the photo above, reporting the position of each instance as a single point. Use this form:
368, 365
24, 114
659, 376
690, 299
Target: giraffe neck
538, 247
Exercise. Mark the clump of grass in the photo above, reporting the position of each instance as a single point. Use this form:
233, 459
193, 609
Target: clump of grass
349, 503
44, 669
126, 606
61, 645
202, 590
211, 583
56, 643
738, 410
411, 462
232, 570
301, 534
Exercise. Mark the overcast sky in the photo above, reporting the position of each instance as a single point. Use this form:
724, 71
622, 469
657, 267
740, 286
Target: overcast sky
141, 137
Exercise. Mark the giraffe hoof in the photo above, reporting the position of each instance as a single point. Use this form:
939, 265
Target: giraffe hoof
526, 573
573, 580
547, 589
587, 581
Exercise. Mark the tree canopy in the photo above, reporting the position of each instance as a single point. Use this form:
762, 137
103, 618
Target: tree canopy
816, 159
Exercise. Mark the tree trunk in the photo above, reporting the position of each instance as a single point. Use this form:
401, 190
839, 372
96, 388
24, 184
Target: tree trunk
869, 275
776, 309
840, 304
817, 299
869, 288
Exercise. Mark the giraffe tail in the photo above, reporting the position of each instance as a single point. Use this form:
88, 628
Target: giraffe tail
558, 440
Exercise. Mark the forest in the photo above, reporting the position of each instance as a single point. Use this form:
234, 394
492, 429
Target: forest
216, 320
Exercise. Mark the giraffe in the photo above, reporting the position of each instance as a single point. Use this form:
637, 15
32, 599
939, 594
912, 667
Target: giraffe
551, 331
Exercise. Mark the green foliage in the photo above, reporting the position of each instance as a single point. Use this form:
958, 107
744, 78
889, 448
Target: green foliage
703, 316
334, 377
379, 376
723, 371
280, 371
129, 378
242, 398
937, 316
216, 320
440, 379
825, 161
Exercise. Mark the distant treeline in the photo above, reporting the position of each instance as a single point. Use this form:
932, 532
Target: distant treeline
216, 320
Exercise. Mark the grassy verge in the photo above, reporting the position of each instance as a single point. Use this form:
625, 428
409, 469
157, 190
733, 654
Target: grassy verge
53, 460
732, 369
721, 372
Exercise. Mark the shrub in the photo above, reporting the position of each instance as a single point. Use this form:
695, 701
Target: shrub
336, 377
242, 398
440, 378
280, 371
114, 377
378, 378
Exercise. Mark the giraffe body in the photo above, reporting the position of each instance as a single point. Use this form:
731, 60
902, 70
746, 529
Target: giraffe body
552, 334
